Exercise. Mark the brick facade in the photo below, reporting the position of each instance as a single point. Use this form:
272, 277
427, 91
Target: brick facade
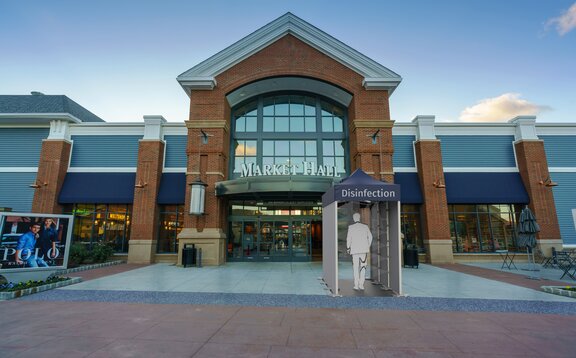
145, 214
533, 166
52, 167
435, 223
288, 56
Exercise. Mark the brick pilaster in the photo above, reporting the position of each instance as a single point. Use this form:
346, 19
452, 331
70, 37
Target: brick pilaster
435, 223
52, 167
144, 226
533, 166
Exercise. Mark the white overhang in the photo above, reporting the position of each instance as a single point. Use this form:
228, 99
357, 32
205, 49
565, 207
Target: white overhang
203, 75
36, 118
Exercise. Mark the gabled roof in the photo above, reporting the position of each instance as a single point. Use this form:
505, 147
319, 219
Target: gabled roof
202, 76
44, 106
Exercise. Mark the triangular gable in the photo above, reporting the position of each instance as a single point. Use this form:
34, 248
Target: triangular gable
203, 75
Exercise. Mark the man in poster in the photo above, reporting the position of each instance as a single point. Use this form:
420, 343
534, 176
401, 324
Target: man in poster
26, 252
46, 243
358, 241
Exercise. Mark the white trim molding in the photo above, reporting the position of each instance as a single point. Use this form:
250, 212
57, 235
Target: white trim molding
525, 127
405, 170
562, 170
36, 118
174, 170
18, 169
101, 170
480, 170
203, 75
425, 127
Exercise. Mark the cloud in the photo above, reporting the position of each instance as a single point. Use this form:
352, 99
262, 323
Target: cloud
565, 22
500, 109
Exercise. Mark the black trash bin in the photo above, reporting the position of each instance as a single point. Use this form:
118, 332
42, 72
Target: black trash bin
189, 255
410, 254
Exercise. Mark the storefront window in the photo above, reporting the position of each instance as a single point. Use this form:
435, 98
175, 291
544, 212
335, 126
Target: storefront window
102, 223
171, 223
482, 228
410, 226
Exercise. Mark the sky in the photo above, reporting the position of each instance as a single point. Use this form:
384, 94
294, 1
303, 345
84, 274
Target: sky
475, 60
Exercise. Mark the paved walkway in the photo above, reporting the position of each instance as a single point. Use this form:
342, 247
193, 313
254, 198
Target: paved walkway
84, 321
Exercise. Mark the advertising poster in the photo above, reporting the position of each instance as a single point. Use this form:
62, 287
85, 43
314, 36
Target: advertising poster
34, 241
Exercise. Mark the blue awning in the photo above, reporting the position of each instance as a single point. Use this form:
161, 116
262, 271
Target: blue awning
485, 188
172, 189
98, 188
410, 187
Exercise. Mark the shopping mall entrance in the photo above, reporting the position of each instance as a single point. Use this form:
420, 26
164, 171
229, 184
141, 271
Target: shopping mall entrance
275, 231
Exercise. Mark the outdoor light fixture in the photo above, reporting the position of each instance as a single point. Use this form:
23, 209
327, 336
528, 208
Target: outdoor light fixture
375, 136
197, 197
547, 182
37, 184
198, 187
204, 136
438, 184
375, 140
140, 185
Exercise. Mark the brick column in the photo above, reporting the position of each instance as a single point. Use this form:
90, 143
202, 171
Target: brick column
144, 226
369, 114
207, 162
435, 221
52, 168
533, 167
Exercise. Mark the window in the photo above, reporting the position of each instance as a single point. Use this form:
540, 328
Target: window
482, 228
171, 223
289, 129
109, 223
245, 153
410, 226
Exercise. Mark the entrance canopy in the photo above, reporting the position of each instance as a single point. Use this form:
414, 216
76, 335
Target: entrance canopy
384, 201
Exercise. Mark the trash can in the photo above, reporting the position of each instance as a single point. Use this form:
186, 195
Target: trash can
189, 255
410, 254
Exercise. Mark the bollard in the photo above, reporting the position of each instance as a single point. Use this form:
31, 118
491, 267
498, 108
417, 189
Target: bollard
199, 257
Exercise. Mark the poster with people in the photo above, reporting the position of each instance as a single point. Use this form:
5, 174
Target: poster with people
34, 241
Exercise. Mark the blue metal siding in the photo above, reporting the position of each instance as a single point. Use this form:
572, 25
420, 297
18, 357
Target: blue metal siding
109, 151
15, 192
565, 200
403, 151
477, 151
560, 150
20, 147
175, 151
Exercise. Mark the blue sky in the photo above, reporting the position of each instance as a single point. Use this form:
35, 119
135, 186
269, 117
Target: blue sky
485, 60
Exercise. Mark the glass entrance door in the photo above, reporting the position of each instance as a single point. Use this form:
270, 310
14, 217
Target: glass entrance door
282, 239
278, 240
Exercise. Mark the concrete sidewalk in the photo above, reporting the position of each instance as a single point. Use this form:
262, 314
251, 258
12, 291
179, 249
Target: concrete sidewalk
95, 320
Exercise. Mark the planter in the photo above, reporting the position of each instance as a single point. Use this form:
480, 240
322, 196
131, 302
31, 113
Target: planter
559, 290
28, 291
90, 267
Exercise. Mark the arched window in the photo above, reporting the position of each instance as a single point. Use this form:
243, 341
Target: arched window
302, 131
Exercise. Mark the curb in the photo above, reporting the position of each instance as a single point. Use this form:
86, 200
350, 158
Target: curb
28, 291
90, 267
559, 290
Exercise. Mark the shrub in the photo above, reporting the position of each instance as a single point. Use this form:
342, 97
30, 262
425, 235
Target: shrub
101, 252
78, 254
11, 286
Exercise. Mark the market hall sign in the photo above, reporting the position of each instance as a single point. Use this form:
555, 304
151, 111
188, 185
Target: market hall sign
309, 168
